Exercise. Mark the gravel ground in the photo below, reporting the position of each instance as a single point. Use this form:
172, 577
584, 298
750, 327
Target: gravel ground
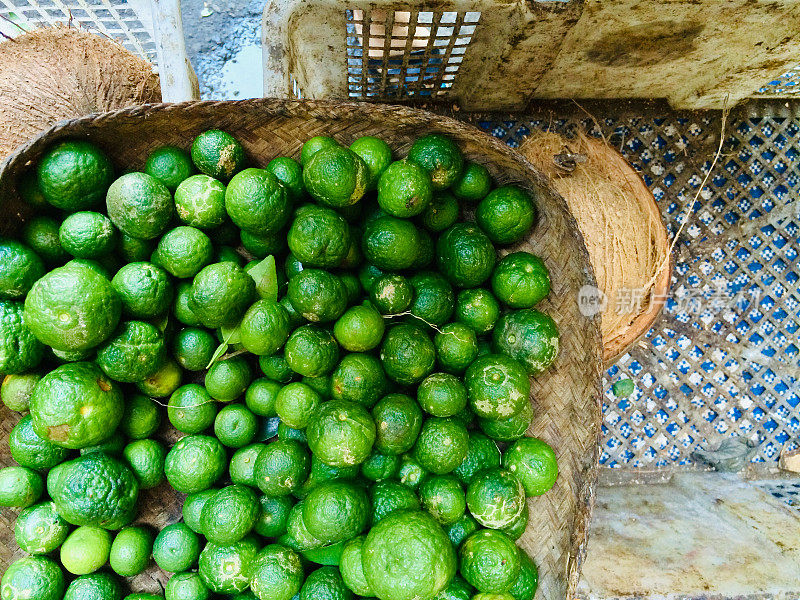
223, 40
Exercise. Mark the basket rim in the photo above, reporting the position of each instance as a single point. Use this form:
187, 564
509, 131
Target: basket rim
410, 117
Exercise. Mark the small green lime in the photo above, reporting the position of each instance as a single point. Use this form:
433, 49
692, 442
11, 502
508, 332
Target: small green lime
229, 515
192, 509
85, 550
341, 433
39, 529
534, 462
376, 154
33, 578
465, 255
478, 309
407, 353
325, 583
95, 586
497, 386
227, 569
318, 295
195, 463
180, 307
41, 235
191, 409
391, 294
257, 202
235, 425
441, 213
314, 145
273, 515
443, 497
170, 165
440, 157
131, 551
87, 234
495, 498
387, 497
221, 293
242, 468
200, 202
136, 351
296, 403
510, 429
489, 561
482, 454
228, 379
461, 529
30, 450
163, 382
404, 189
74, 175
133, 249
335, 511
277, 573
351, 567
261, 395
282, 467
359, 329
290, 174
379, 466
433, 298
474, 183
398, 420
319, 237
506, 214
183, 251
529, 336
16, 390
390, 243
139, 205
359, 378
336, 176
411, 473
442, 445
218, 154
521, 280
442, 395
186, 586
146, 460
20, 267
176, 548
311, 351
145, 290
193, 348
456, 347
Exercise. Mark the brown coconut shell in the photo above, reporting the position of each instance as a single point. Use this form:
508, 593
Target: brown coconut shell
621, 224
56, 73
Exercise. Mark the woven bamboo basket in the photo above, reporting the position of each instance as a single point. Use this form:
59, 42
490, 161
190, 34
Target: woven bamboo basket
565, 398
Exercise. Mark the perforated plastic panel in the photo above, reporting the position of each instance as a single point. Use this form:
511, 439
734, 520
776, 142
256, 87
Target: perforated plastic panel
723, 358
787, 84
117, 19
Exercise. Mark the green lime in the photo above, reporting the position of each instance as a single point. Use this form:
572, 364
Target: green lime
221, 293
359, 329
497, 386
39, 529
282, 467
296, 403
290, 174
411, 473
319, 237
506, 214
320, 473
376, 154
298, 537
146, 460
442, 395
200, 202
74, 175
228, 379
218, 154
524, 587
113, 446
407, 354
440, 157
473, 184
16, 390
391, 294
133, 353
20, 267
442, 445
495, 497
103, 266
456, 347
32, 451
387, 497
143, 596
534, 462
359, 378
351, 566
170, 165
462, 529
94, 489
398, 420
85, 550
133, 249
489, 561
529, 336
510, 429
131, 551
426, 251
87, 234
379, 466
229, 515
183, 251
33, 578
163, 382
180, 308
227, 569
325, 583
30, 192
195, 463
368, 275
262, 246
193, 509
336, 176
404, 189
390, 243
139, 205
443, 497
72, 308
314, 145
465, 255
482, 454
145, 290
257, 202
341, 433
265, 327
311, 351
320, 384
295, 318
433, 298
242, 467
186, 586
261, 396
457, 589
289, 433
623, 388
517, 527
235, 425
336, 511
41, 235
441, 213
193, 348
191, 409
273, 515
521, 280
176, 548
76, 405
318, 295
277, 572
407, 556
95, 586
478, 309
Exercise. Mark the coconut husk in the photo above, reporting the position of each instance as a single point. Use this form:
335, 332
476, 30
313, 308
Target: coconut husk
621, 225
56, 73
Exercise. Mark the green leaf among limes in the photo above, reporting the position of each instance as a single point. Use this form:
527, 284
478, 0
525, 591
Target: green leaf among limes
266, 278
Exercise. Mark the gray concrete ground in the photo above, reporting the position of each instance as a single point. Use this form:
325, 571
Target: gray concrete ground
223, 40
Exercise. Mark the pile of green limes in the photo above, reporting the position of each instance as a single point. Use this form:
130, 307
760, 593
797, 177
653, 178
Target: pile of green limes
343, 352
